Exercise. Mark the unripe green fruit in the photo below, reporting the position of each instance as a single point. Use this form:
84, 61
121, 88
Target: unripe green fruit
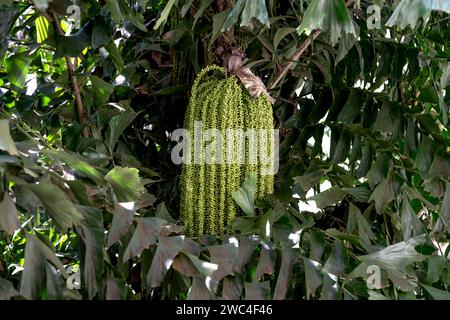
207, 206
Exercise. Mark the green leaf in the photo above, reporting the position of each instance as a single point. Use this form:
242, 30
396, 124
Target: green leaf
317, 244
255, 9
409, 222
353, 239
346, 43
126, 183
313, 277
338, 259
165, 14
427, 149
203, 6
444, 109
232, 288
361, 193
102, 32
386, 191
408, 12
146, 234
257, 290
73, 45
411, 137
114, 9
101, 90
17, 68
329, 290
56, 287
168, 249
37, 253
79, 190
234, 15
311, 177
323, 63
247, 246
340, 150
120, 10
163, 213
428, 123
435, 186
115, 289
374, 295
394, 259
436, 264
186, 7
57, 204
440, 168
329, 16
6, 142
137, 19
353, 211
7, 290
9, 14
288, 259
31, 282
224, 257
428, 94
250, 225
199, 290
387, 117
115, 56
117, 126
281, 34
122, 220
42, 28
352, 107
218, 23
191, 266
445, 209
92, 233
169, 91
245, 196
266, 263
445, 78
366, 162
364, 230
328, 197
437, 294
9, 221
76, 162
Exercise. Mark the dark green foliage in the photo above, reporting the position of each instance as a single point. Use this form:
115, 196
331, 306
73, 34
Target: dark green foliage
363, 119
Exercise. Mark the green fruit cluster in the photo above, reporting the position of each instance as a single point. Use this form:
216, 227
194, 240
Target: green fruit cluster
207, 206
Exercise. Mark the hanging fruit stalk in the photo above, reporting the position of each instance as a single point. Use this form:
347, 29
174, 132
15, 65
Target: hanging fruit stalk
223, 104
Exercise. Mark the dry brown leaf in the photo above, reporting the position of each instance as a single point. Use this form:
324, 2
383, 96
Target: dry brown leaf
252, 83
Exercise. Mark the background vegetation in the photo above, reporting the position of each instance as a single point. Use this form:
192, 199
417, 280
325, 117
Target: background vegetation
87, 184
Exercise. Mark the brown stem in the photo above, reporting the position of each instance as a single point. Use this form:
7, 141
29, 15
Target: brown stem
295, 57
74, 82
